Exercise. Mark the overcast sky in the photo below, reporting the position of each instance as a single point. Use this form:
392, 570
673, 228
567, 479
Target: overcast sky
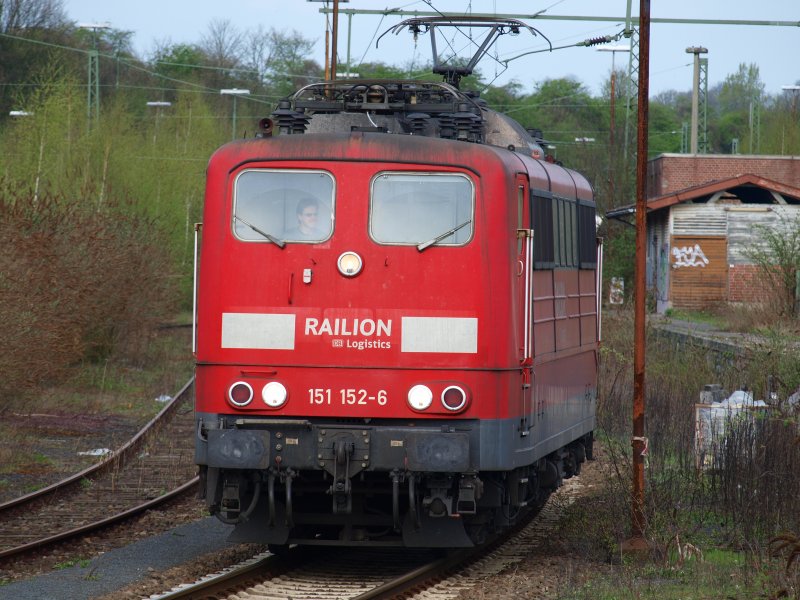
774, 49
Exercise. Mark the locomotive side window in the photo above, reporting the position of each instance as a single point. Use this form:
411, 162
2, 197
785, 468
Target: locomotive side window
283, 206
587, 235
545, 235
421, 209
565, 232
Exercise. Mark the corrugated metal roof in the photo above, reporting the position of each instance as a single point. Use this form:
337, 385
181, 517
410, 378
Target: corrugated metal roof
707, 190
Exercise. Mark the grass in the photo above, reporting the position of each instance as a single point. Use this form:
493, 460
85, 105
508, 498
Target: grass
121, 387
98, 405
711, 513
755, 319
706, 571
18, 454
694, 580
80, 562
695, 316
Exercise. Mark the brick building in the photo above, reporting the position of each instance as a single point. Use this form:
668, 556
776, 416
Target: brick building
703, 213
670, 173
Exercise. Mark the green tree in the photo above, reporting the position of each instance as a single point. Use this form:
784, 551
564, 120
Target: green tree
741, 88
179, 61
25, 22
732, 108
664, 129
287, 64
380, 70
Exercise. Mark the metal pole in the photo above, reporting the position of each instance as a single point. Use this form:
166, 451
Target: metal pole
93, 88
639, 441
327, 53
697, 51
349, 31
695, 103
234, 92
612, 154
613, 94
93, 81
334, 38
157, 104
233, 136
794, 89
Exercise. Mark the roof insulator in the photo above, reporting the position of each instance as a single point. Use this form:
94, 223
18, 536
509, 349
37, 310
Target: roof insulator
418, 122
289, 121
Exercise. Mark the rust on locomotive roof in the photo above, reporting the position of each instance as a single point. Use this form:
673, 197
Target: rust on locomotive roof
409, 108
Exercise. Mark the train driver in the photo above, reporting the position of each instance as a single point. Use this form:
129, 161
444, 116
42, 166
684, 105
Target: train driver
307, 219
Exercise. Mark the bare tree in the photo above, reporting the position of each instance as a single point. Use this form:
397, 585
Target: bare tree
222, 44
25, 14
280, 61
256, 52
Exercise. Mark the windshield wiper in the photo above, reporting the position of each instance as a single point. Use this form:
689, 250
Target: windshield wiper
442, 236
278, 242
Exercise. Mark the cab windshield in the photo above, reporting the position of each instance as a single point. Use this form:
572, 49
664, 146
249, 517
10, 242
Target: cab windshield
421, 209
283, 206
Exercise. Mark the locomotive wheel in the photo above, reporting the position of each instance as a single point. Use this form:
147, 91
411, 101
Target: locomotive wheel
279, 549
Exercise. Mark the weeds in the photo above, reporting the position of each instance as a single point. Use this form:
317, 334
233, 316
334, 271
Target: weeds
71, 286
79, 562
788, 544
710, 529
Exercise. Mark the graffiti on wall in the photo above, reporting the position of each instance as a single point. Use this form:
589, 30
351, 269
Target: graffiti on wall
689, 256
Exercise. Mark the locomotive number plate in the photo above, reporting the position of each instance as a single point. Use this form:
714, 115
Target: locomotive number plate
347, 396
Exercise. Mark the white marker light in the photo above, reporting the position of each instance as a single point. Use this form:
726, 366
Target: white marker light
420, 397
274, 394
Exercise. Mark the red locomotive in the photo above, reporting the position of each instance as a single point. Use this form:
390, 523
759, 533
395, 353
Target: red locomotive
397, 321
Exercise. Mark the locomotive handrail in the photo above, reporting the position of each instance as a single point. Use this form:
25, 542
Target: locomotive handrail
324, 89
340, 83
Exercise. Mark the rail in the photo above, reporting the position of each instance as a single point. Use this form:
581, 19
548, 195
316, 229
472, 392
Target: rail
123, 483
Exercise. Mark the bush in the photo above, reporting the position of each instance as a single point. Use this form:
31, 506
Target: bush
778, 258
752, 496
77, 282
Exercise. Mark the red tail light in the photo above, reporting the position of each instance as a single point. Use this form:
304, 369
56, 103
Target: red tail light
240, 393
454, 398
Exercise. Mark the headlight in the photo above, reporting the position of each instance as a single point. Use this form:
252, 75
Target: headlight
420, 397
349, 264
240, 393
274, 394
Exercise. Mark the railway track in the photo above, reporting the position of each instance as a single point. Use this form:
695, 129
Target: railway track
368, 574
155, 466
